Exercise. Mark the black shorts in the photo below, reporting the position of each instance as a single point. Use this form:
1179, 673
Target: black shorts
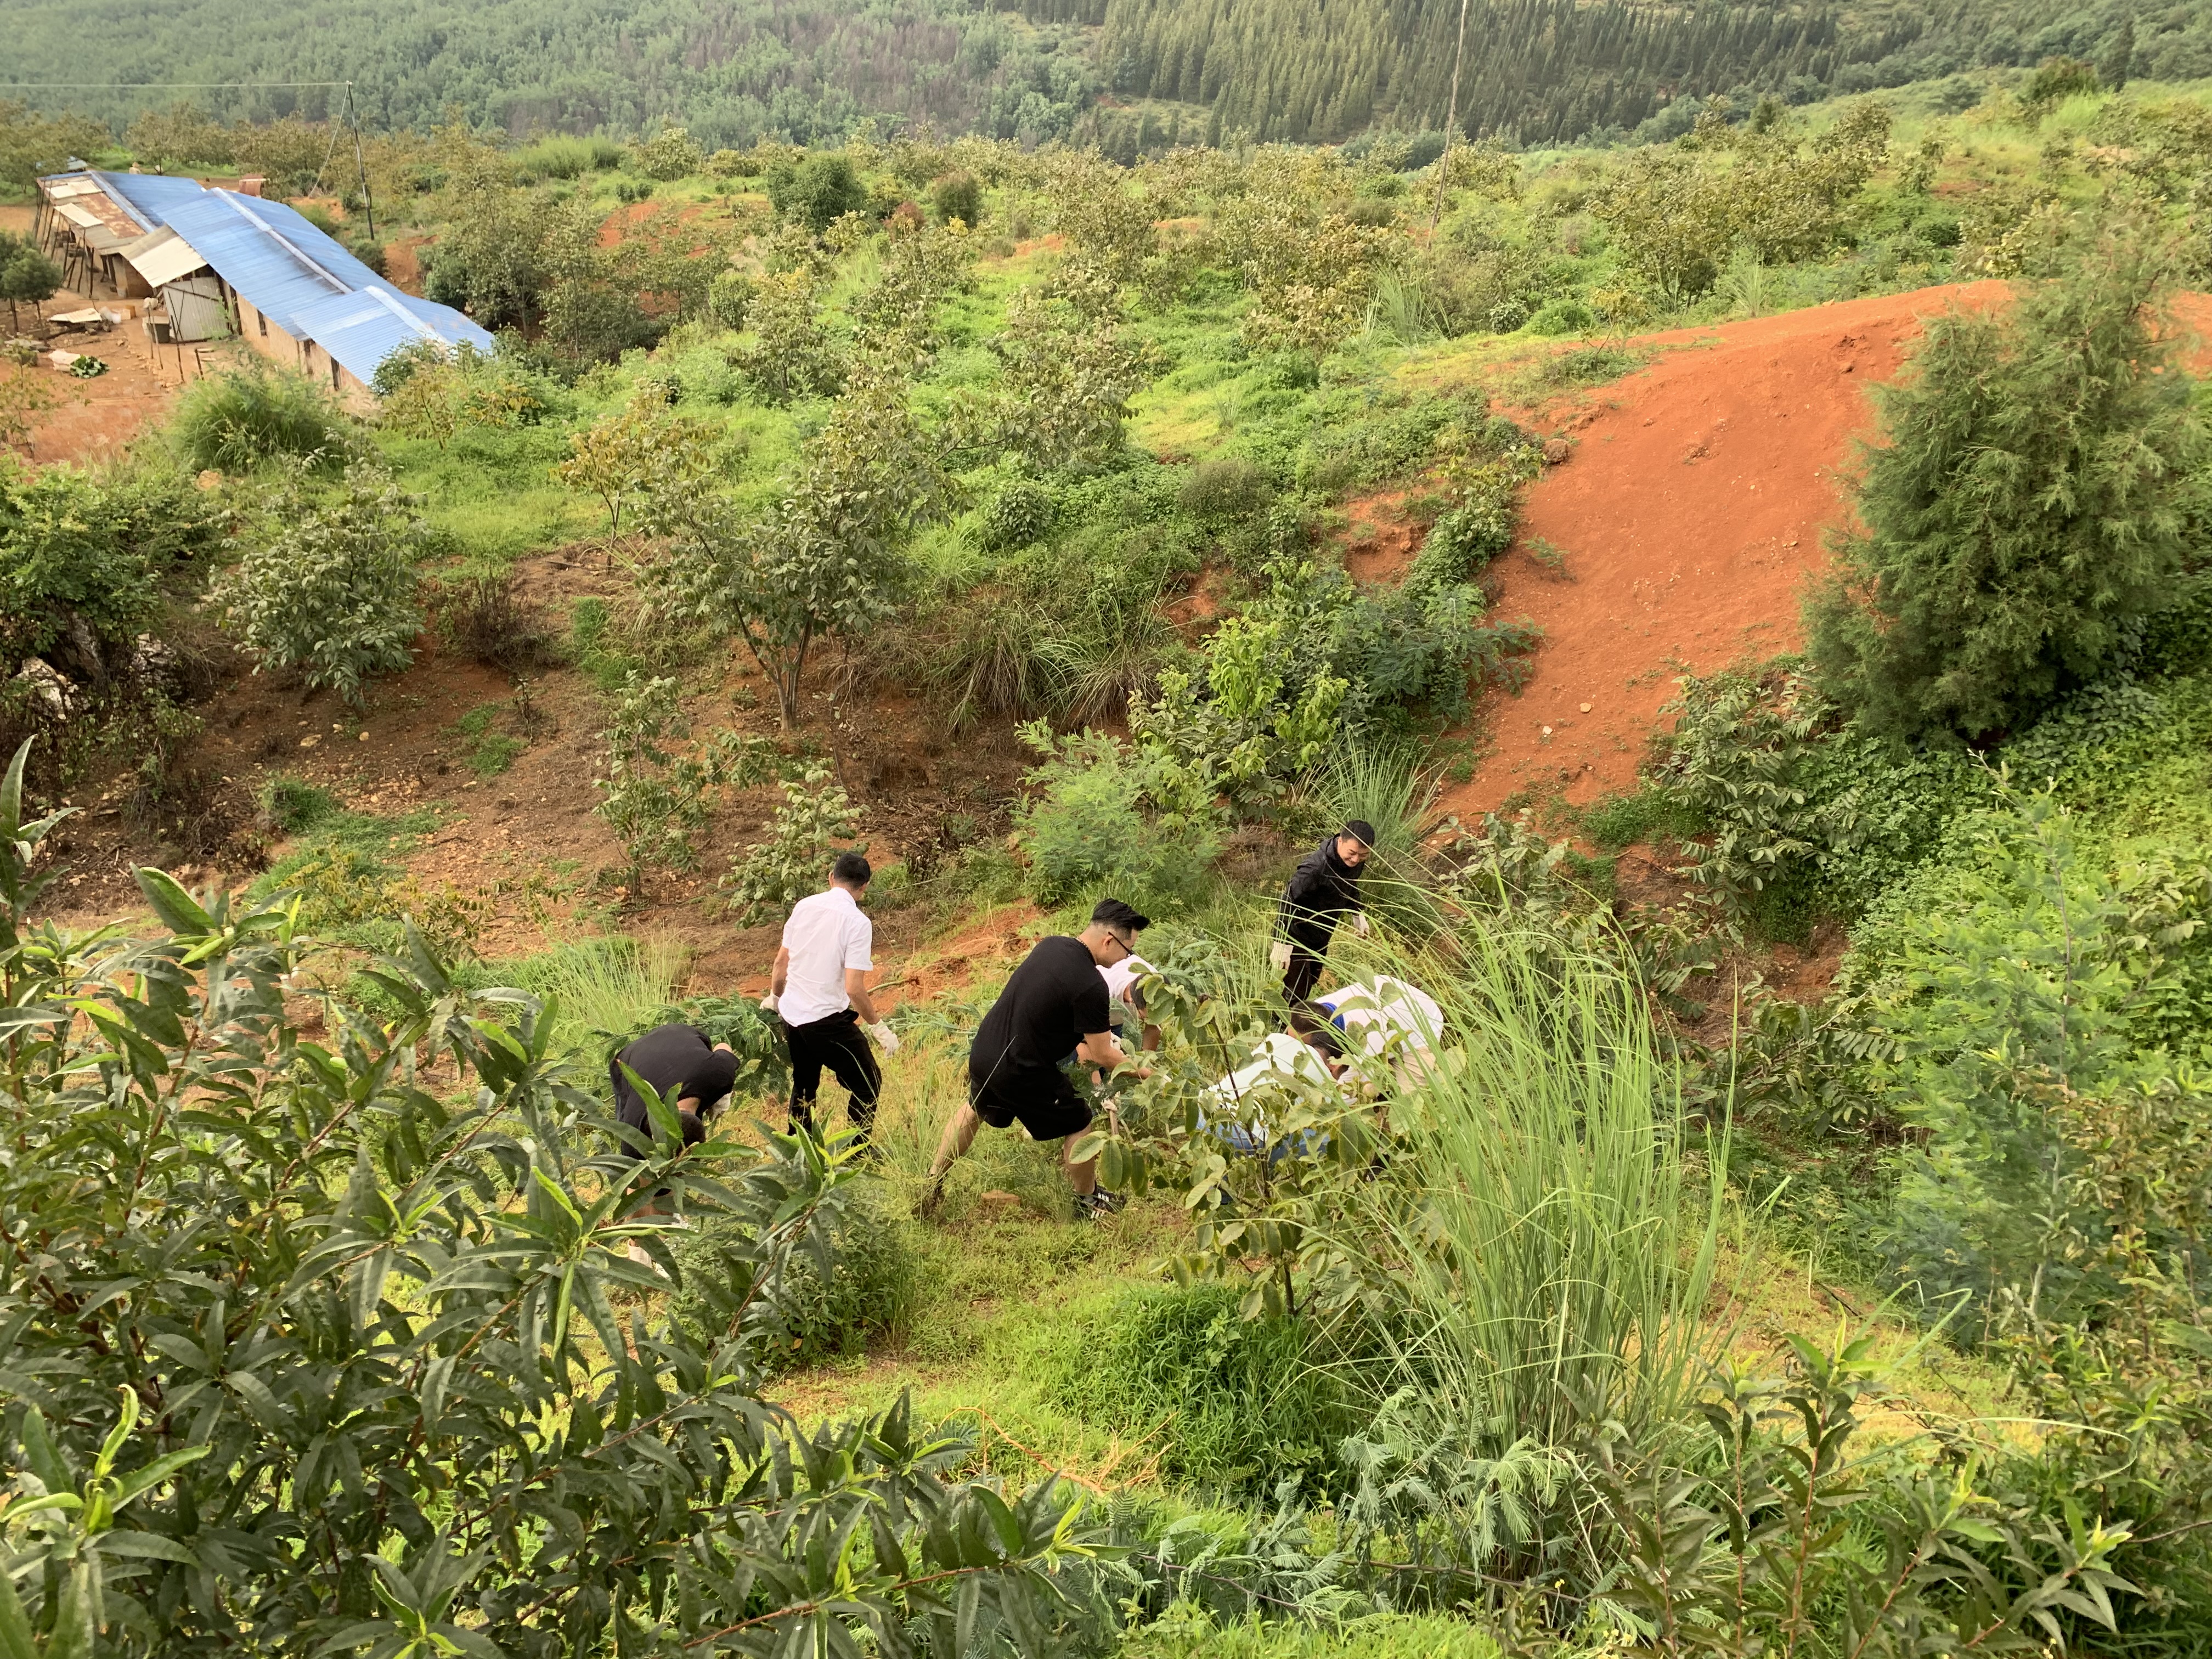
1044, 1101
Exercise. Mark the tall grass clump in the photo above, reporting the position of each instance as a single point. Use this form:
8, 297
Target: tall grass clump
235, 422
1555, 1249
1234, 1406
605, 988
564, 157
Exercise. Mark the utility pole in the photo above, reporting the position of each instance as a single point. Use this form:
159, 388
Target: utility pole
361, 167
1451, 122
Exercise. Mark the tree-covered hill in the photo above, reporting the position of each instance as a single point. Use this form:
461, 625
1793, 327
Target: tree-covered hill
731, 70
1536, 72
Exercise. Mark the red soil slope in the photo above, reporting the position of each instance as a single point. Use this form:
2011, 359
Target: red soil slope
1690, 512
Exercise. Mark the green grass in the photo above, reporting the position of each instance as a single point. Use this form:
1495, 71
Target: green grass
1188, 1634
487, 752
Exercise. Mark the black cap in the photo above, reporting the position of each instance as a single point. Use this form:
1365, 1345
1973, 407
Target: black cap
1361, 831
1114, 913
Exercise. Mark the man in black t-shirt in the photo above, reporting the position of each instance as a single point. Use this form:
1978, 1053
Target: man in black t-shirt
676, 1057
1054, 1003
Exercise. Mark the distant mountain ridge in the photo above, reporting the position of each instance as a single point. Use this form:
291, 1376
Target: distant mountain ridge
1536, 71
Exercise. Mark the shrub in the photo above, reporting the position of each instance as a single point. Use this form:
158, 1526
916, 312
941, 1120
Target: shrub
498, 1292
860, 1294
83, 554
803, 837
1566, 315
1021, 512
816, 192
1237, 1405
1225, 491
237, 421
484, 616
669, 155
1085, 827
327, 584
2031, 500
959, 196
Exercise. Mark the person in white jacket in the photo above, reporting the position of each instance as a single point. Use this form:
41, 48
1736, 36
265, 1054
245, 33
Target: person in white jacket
819, 993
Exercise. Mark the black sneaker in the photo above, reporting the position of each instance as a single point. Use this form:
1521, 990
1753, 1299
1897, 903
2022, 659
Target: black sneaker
1097, 1206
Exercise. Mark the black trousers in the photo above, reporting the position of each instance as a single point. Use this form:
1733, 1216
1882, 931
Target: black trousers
837, 1042
1308, 945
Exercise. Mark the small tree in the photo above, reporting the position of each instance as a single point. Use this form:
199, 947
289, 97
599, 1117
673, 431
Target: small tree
329, 584
656, 801
826, 560
790, 355
632, 452
27, 276
816, 192
1065, 385
2030, 500
770, 876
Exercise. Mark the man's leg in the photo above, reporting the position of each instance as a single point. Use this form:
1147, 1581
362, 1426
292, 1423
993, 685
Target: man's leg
845, 1047
959, 1135
805, 1074
1304, 971
1083, 1176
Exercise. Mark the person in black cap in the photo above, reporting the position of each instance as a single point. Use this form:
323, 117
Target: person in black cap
1055, 1001
1324, 886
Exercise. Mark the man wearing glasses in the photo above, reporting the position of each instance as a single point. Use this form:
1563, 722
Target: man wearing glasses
1055, 1001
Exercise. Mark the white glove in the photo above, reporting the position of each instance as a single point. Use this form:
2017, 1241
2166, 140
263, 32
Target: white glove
768, 1003
1279, 955
886, 1039
1359, 923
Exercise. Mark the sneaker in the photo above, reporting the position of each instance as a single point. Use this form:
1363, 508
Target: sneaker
1096, 1205
931, 1201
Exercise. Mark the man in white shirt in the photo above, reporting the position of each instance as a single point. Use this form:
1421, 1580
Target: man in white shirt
819, 993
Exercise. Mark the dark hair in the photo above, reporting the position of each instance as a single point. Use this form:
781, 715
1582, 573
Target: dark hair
1361, 831
851, 869
1311, 1024
1113, 913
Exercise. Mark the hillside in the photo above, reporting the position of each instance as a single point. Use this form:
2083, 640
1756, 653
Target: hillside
1746, 1169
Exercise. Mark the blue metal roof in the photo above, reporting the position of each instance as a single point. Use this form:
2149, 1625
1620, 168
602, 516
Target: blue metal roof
148, 198
292, 273
362, 329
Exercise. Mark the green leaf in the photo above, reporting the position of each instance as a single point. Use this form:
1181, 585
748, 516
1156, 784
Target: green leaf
179, 911
11, 790
147, 1546
14, 1625
40, 1451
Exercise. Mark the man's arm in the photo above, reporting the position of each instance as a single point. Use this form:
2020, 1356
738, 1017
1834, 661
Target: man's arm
782, 968
856, 993
1099, 1048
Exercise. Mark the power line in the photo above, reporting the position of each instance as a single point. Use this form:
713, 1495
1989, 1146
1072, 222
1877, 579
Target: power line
164, 86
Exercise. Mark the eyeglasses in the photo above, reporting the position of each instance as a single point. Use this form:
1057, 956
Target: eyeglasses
1128, 949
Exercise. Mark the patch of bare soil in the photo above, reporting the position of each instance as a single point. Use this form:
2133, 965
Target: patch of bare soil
94, 419
1690, 513
530, 831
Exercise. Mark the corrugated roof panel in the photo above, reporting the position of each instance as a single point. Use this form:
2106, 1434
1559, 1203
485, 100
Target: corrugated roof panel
362, 329
149, 196
161, 256
280, 277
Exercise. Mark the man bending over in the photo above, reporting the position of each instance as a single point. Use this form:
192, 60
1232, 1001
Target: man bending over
1055, 1001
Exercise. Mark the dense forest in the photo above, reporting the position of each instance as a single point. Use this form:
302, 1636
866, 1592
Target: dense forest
1535, 71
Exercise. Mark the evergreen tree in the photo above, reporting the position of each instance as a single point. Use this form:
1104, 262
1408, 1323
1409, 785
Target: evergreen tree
2032, 500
